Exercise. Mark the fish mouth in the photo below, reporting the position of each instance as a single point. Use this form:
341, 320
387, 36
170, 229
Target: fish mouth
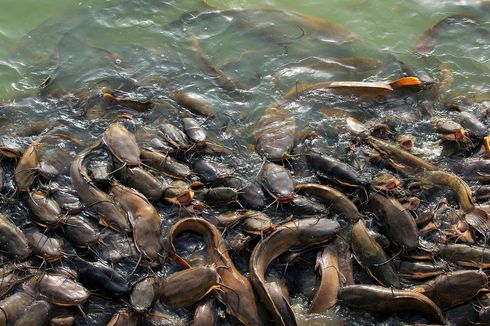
412, 205
392, 184
407, 144
285, 199
457, 136
9, 153
388, 186
185, 198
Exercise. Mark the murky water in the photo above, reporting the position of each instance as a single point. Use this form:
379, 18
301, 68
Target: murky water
58, 57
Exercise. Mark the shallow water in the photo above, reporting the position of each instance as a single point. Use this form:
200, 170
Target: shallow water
143, 49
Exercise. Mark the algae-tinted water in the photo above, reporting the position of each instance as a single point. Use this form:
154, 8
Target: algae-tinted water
143, 49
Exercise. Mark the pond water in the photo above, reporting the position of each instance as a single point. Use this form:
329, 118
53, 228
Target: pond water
57, 59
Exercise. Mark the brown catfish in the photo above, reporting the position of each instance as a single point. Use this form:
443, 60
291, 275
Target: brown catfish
278, 182
13, 243
475, 216
371, 256
398, 158
124, 317
12, 307
96, 200
147, 228
443, 178
306, 232
371, 89
166, 164
275, 134
396, 220
195, 132
185, 288
144, 294
26, 169
205, 313
178, 192
453, 288
256, 222
379, 299
280, 299
140, 106
195, 103
236, 293
330, 196
145, 182
327, 266
13, 147
335, 170
9, 277
59, 289
367, 90
46, 211
49, 249
35, 314
419, 269
122, 144
345, 257
465, 255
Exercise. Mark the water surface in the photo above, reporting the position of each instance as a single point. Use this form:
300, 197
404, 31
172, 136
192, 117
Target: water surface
57, 57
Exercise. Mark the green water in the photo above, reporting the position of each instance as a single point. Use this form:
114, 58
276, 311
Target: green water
143, 49
390, 26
